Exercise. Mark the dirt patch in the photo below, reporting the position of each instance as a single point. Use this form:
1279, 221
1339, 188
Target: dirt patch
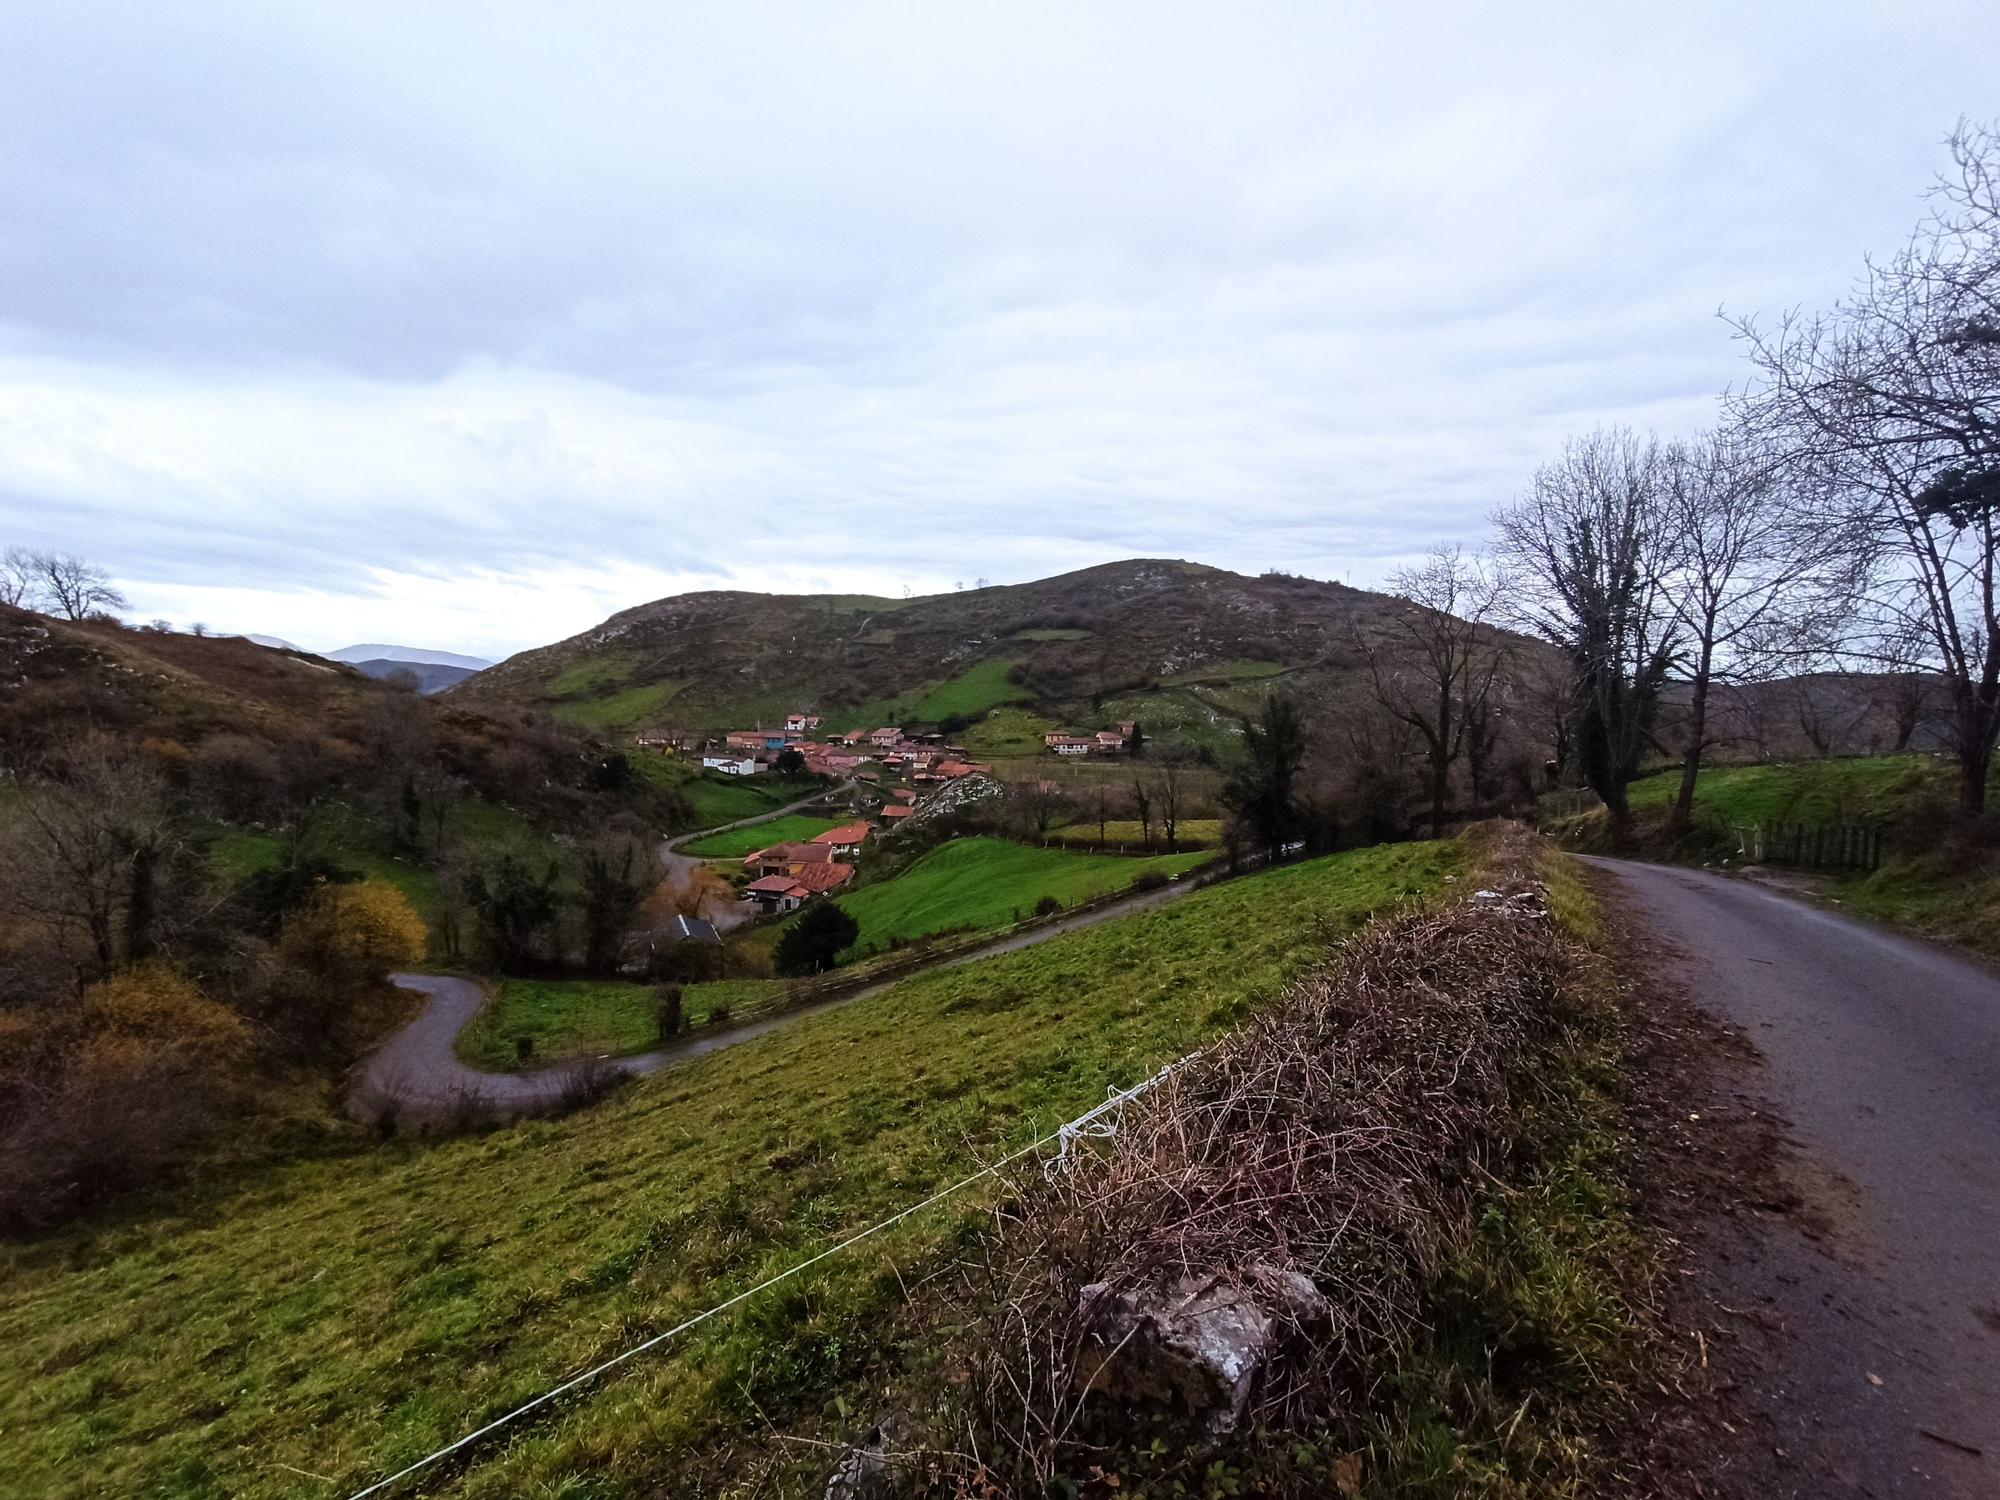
1710, 1168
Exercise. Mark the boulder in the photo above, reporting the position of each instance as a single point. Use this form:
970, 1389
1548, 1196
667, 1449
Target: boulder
1194, 1343
874, 1466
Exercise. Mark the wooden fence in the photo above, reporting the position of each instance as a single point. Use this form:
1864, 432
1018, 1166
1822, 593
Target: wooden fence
1566, 804
1812, 846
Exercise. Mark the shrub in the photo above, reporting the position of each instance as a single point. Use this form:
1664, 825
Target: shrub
113, 1094
1048, 906
812, 943
668, 1000
1148, 880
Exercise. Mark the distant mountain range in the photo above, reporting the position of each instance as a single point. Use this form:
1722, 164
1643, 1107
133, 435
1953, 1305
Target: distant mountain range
359, 655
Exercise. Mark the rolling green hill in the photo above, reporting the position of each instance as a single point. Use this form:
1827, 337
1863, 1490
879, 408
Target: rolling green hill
1184, 649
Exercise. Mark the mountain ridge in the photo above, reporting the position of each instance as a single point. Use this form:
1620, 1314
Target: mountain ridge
1181, 646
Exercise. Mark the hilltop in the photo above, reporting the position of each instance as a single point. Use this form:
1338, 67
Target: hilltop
1181, 647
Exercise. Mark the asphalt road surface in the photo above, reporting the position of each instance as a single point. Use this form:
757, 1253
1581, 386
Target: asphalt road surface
1883, 1055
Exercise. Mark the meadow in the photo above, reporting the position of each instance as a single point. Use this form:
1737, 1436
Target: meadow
976, 883
305, 1328
565, 1018
737, 842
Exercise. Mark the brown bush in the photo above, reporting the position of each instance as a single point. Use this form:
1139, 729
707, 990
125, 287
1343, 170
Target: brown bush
1345, 1136
113, 1094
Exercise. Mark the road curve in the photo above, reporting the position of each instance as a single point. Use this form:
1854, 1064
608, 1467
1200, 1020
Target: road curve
417, 1075
1883, 1054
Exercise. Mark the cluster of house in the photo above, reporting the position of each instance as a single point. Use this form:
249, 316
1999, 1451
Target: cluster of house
923, 757
1104, 742
789, 875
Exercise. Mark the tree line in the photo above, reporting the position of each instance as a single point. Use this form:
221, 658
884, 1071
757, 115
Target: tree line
1841, 517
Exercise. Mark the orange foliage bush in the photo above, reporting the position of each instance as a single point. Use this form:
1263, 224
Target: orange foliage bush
356, 934
149, 1018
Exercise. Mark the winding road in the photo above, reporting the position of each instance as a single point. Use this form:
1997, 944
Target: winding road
1883, 1055
418, 1076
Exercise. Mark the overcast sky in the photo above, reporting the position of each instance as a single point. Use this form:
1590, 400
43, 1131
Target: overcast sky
465, 325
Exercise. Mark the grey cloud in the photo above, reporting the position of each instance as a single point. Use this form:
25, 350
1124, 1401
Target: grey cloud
499, 295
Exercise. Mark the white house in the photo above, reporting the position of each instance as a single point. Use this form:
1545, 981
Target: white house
732, 765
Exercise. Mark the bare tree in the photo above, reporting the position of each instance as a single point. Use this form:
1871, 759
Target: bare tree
1891, 401
1907, 696
71, 587
18, 575
1037, 804
1172, 790
1737, 572
1587, 548
1435, 665
79, 854
1142, 806
1102, 802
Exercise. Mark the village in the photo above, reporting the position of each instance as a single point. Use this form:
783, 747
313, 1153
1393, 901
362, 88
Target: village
904, 766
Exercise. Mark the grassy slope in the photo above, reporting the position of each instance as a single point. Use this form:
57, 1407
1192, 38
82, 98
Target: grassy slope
982, 882
718, 799
240, 852
794, 828
1009, 730
1877, 789
345, 1314
1926, 883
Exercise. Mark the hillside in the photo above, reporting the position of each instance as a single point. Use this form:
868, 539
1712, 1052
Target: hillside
430, 1285
1180, 647
430, 677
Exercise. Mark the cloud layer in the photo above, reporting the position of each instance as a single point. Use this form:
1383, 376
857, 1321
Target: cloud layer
468, 325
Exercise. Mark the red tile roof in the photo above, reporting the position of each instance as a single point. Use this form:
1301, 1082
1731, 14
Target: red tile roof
791, 854
847, 833
816, 878
897, 810
776, 885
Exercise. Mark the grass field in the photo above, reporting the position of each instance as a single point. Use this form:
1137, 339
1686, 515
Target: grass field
1190, 833
970, 694
793, 828
240, 852
563, 1018
973, 883
1009, 730
717, 799
344, 1313
566, 1018
620, 710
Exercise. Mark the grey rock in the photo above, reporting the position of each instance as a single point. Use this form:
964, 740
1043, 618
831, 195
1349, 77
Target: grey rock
1196, 1343
873, 1467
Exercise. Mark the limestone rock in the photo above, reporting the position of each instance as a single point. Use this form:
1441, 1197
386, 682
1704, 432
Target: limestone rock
1195, 1343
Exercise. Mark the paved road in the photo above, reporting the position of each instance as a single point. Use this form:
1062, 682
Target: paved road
417, 1074
1883, 1054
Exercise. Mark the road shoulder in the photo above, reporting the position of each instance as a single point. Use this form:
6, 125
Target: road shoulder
1768, 1296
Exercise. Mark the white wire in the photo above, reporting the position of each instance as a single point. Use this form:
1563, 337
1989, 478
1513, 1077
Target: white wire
1091, 1123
